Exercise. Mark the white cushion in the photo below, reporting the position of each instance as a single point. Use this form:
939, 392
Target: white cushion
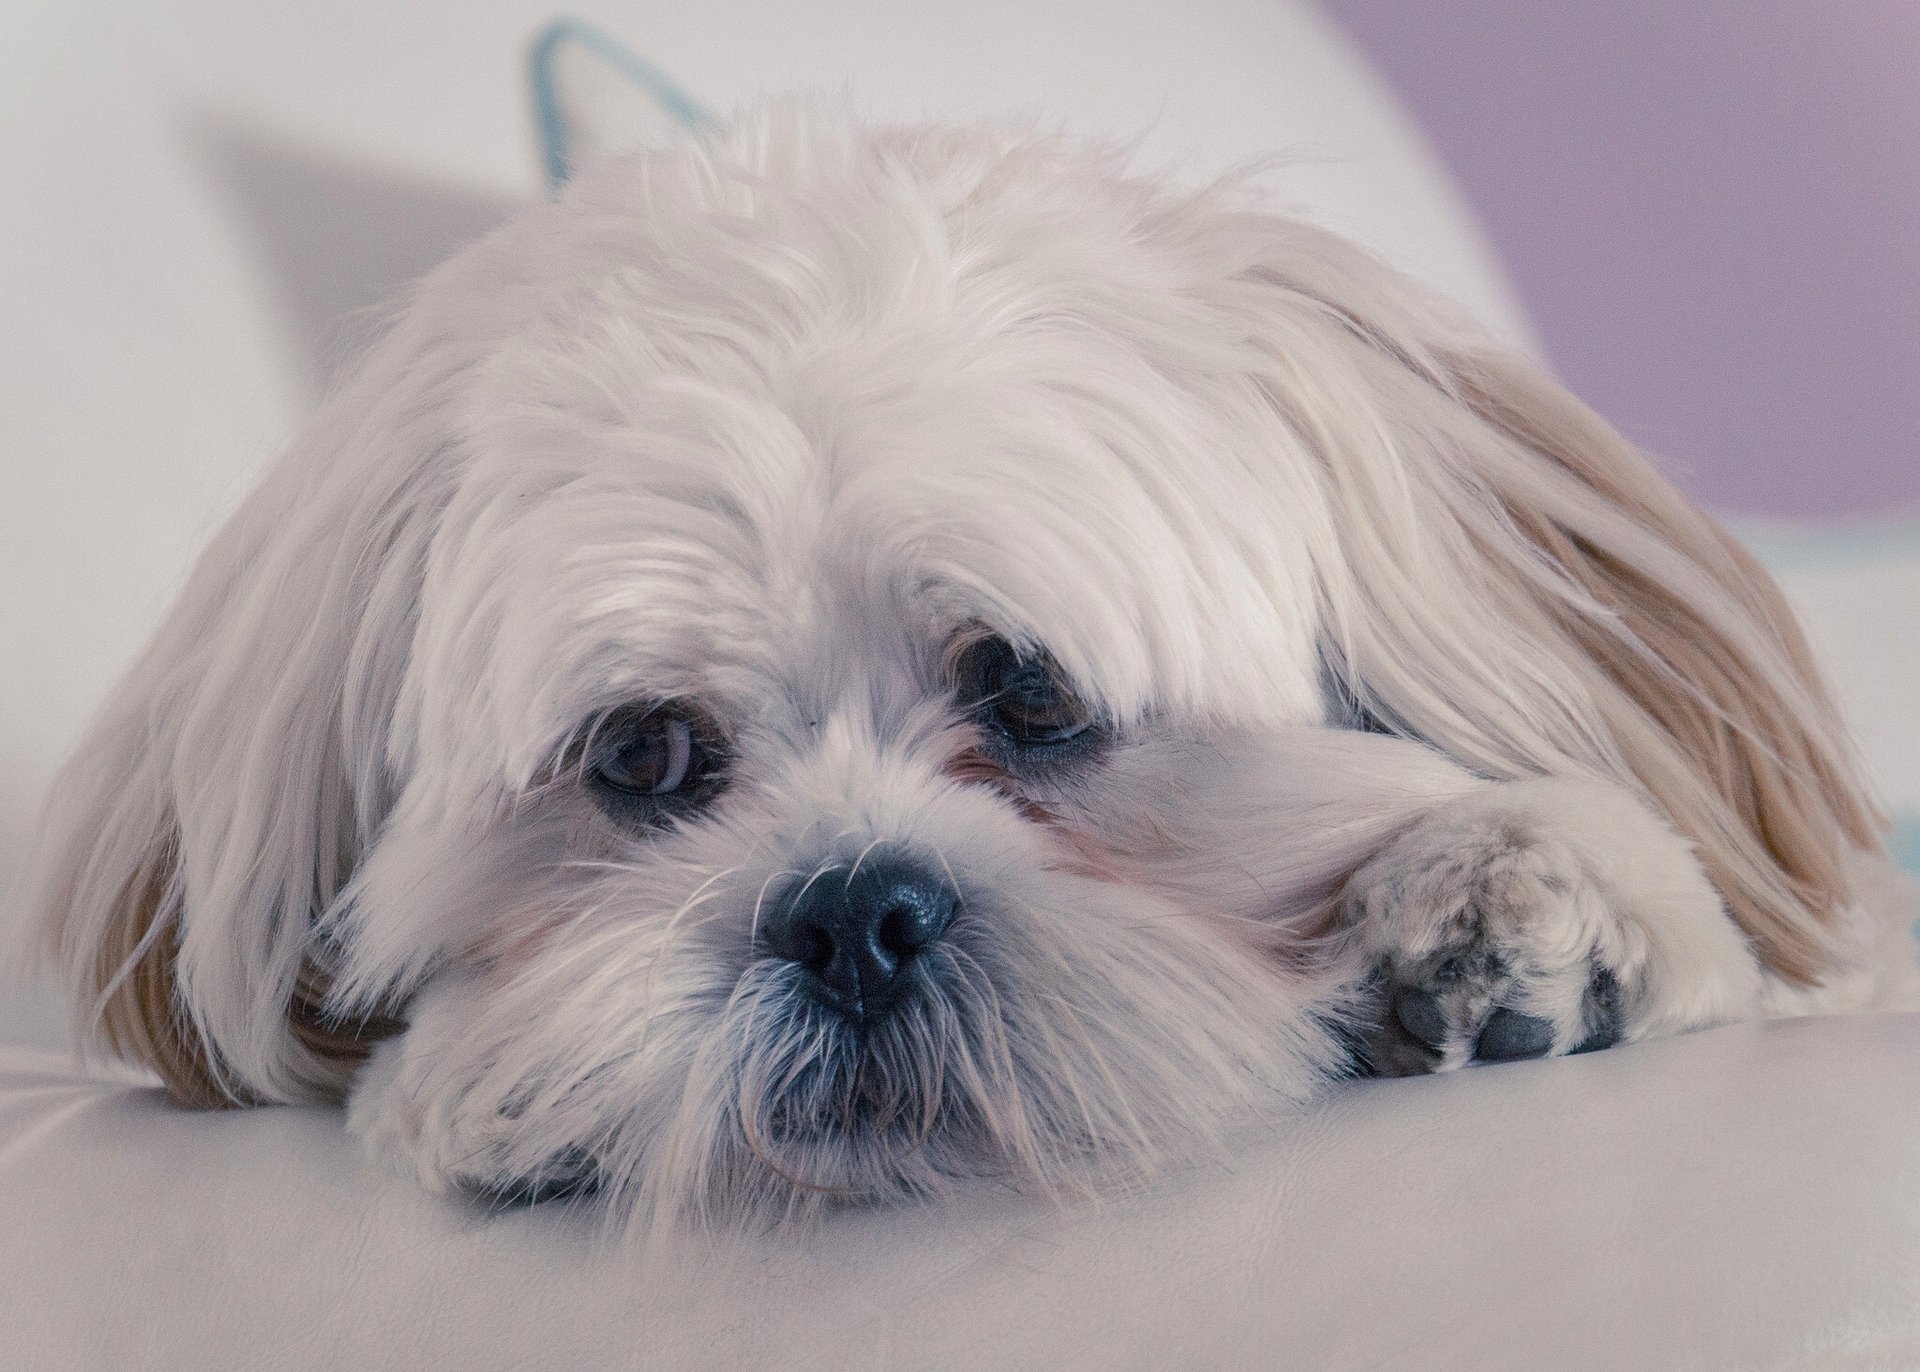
1747, 1197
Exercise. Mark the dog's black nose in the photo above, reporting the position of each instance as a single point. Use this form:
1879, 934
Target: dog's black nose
857, 930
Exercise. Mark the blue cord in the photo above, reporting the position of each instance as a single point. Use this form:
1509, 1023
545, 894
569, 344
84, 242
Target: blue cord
1821, 548
555, 147
1905, 842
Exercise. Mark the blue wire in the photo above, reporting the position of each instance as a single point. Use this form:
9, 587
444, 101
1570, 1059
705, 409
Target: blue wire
1821, 548
555, 144
1905, 842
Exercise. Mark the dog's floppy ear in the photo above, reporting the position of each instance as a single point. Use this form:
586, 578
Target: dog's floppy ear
220, 800
1511, 580
1721, 709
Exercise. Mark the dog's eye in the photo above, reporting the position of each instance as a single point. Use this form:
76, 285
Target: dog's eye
1023, 697
655, 755
654, 762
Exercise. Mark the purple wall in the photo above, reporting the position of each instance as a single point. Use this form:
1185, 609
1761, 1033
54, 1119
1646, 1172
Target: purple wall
1712, 208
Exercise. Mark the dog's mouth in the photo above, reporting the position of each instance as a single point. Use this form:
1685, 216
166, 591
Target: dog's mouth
863, 1106
780, 1105
820, 1106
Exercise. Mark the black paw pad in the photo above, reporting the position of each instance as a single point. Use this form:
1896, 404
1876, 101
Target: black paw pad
1421, 1016
1509, 1036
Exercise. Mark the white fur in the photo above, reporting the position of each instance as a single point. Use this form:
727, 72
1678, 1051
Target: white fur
765, 422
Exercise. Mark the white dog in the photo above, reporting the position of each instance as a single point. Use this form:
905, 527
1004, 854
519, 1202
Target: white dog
838, 659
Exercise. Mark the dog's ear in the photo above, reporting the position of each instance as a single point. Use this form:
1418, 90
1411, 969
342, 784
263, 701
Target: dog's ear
220, 800
1709, 687
1511, 580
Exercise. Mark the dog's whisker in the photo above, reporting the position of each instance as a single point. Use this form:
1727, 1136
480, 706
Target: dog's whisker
826, 866
854, 871
759, 900
953, 882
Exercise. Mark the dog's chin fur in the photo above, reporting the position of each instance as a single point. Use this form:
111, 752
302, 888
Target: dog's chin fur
768, 423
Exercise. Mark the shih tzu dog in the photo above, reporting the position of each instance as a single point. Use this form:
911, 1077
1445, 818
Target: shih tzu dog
836, 660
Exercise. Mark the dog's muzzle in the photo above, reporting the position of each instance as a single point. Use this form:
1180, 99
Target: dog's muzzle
858, 932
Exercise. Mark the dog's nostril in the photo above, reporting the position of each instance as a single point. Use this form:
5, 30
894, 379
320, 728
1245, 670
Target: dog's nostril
810, 946
857, 931
909, 926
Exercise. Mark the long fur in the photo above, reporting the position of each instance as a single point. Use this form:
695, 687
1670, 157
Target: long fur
771, 420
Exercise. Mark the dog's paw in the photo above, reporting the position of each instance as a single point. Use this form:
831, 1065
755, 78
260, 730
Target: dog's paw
1530, 920
1487, 943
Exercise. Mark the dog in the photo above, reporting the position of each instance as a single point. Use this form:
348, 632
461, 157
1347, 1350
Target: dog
838, 661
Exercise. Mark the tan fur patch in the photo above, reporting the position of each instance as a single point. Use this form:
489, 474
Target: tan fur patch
1781, 806
141, 1018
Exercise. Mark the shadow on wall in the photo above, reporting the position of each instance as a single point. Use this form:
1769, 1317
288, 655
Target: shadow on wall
19, 812
332, 240
335, 239
30, 1011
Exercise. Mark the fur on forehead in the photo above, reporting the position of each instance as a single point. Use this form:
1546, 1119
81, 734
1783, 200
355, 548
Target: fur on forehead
743, 423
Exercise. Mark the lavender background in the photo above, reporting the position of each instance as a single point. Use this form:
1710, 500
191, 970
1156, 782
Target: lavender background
1712, 208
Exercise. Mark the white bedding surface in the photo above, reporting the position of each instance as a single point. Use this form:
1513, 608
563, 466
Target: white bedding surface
1746, 1197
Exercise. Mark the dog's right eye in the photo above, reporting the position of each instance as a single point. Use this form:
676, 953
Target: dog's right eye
655, 762
1022, 698
652, 758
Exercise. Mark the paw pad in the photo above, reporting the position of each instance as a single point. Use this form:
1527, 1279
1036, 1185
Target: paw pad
1453, 1011
1509, 1036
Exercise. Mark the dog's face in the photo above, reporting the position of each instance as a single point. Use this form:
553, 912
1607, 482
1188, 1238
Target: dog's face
797, 600
751, 693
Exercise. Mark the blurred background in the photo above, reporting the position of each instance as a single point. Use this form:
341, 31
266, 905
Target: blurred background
1705, 216
1712, 211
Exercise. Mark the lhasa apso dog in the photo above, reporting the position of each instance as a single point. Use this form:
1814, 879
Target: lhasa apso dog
839, 659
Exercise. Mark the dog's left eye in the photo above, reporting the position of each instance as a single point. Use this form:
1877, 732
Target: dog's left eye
1022, 696
655, 755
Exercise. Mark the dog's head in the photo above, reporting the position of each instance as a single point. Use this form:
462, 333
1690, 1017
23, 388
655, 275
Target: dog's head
729, 695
